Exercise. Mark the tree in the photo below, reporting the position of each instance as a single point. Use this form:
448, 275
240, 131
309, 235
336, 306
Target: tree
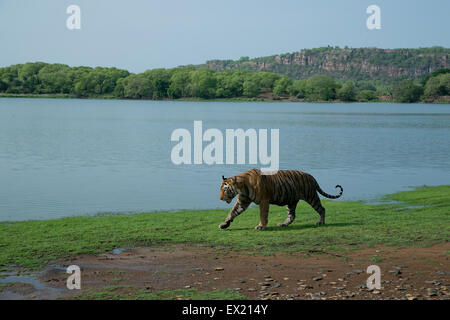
438, 86
347, 92
440, 71
230, 84
119, 89
320, 87
366, 95
298, 88
55, 78
266, 80
251, 87
179, 83
281, 86
244, 59
435, 73
3, 86
28, 76
203, 83
137, 87
364, 85
408, 91
159, 81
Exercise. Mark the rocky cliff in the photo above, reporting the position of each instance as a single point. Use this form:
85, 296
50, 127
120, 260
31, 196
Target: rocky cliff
348, 63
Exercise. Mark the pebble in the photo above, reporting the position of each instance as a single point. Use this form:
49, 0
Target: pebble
277, 285
117, 251
317, 278
395, 271
431, 292
219, 269
376, 292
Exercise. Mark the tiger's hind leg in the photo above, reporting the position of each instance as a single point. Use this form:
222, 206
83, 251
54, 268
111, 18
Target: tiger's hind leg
317, 205
291, 215
263, 214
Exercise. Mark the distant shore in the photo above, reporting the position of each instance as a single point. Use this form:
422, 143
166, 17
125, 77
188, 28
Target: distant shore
442, 100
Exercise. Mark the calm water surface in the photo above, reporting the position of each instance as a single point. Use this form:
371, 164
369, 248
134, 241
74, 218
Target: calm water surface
70, 157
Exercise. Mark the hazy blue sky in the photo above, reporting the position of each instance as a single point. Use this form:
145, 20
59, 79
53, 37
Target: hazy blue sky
144, 34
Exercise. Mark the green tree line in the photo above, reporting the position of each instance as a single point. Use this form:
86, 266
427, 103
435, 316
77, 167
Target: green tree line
204, 83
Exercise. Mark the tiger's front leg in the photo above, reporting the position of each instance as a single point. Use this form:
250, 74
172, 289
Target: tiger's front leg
240, 206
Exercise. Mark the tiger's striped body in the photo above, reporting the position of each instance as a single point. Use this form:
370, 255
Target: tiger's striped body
284, 188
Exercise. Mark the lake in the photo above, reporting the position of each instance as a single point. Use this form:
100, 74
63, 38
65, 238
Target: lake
64, 157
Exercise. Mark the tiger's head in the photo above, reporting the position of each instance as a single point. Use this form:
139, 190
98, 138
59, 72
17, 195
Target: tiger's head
228, 189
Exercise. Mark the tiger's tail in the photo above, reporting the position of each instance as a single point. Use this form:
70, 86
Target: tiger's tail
329, 196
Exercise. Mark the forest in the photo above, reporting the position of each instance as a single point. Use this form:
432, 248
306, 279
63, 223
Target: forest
191, 82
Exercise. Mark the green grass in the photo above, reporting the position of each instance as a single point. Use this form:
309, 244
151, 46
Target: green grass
376, 259
421, 218
129, 293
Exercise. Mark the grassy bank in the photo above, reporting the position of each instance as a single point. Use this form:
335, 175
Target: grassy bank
262, 98
131, 293
420, 218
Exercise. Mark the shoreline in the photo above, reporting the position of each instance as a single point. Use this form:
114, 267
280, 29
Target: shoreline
34, 243
242, 99
381, 199
184, 255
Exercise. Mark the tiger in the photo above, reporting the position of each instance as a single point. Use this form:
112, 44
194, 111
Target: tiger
283, 188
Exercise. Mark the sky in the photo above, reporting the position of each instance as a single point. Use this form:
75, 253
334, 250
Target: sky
144, 34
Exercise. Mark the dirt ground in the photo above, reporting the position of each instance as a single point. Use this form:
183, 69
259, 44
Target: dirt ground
406, 273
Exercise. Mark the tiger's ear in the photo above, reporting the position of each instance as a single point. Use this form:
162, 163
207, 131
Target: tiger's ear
234, 179
223, 178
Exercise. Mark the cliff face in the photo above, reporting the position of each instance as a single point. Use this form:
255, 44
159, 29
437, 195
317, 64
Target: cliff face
348, 63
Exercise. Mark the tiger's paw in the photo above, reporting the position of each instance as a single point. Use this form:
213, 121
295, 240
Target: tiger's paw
282, 225
224, 225
260, 228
